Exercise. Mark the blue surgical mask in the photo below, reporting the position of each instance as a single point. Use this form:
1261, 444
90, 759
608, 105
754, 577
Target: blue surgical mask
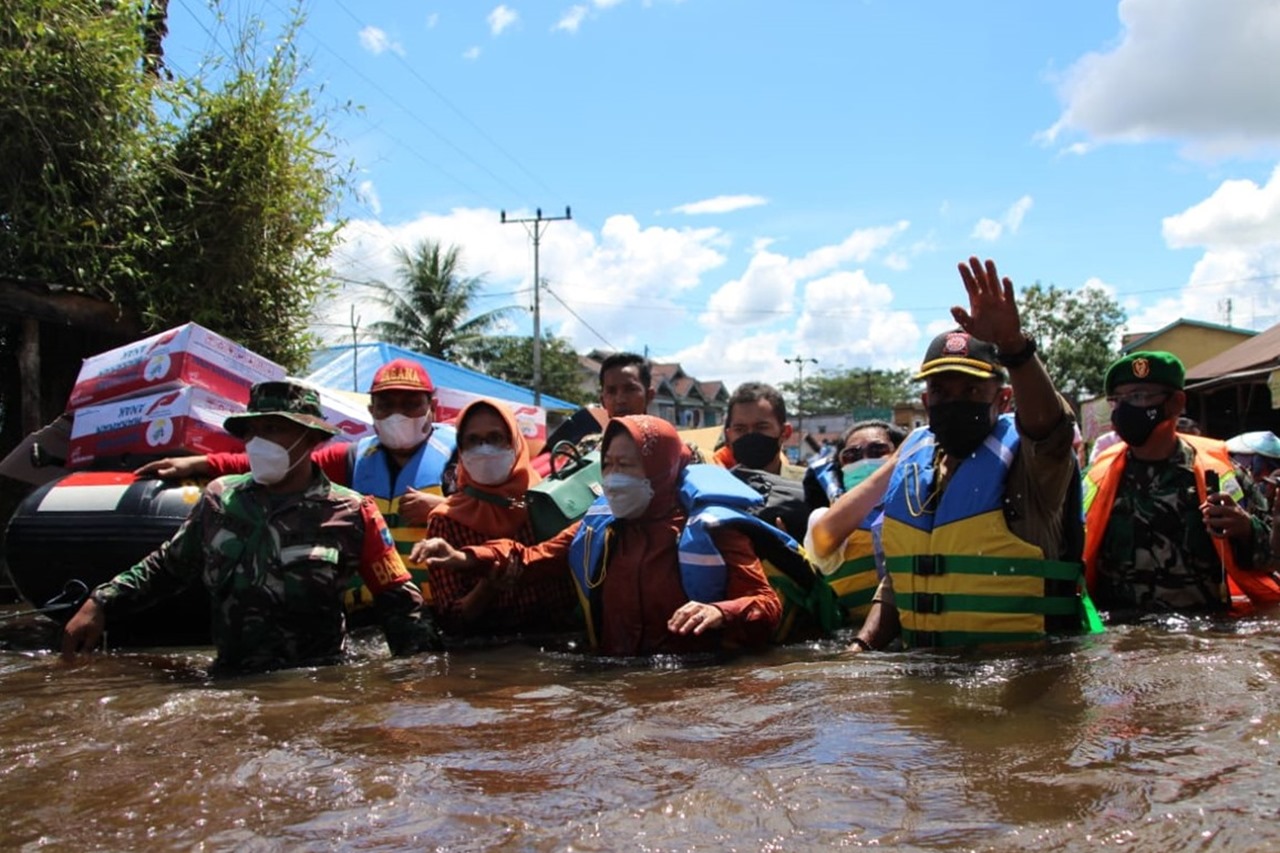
855, 472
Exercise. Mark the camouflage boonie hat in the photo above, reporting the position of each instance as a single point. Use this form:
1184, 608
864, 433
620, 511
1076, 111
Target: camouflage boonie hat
295, 401
1160, 368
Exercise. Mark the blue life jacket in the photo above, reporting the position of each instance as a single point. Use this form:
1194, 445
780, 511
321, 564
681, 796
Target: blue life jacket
713, 499
370, 472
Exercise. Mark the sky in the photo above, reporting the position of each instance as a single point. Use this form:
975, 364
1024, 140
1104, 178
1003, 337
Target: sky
756, 181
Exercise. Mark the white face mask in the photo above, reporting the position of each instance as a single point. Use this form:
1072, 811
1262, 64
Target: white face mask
628, 496
489, 465
401, 432
268, 461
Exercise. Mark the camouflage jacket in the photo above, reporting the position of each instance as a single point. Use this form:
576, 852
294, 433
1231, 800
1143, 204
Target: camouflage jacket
275, 567
1156, 555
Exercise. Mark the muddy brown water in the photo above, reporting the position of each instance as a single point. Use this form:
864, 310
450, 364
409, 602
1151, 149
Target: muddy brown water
1152, 737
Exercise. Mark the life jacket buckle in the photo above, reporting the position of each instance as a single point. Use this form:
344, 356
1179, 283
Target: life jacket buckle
928, 565
926, 640
926, 602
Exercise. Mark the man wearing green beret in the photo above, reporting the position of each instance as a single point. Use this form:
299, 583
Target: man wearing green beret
275, 548
1166, 525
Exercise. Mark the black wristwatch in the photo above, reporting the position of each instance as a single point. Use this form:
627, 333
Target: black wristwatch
1019, 358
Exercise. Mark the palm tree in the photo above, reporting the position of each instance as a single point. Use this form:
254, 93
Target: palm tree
431, 302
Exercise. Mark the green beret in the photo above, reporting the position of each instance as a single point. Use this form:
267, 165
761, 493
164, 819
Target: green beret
1161, 368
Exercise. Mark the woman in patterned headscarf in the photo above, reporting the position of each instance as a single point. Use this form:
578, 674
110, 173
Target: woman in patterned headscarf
642, 591
493, 475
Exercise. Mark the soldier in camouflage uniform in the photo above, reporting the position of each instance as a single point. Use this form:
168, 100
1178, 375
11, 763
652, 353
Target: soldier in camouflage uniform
275, 548
1168, 527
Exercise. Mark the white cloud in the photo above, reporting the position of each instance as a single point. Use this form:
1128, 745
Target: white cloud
857, 247
1017, 211
736, 358
572, 19
760, 295
377, 42
987, 229
628, 282
850, 320
471, 53
993, 229
1191, 70
765, 291
501, 18
1237, 279
368, 194
432, 20
720, 204
897, 262
1239, 214
634, 284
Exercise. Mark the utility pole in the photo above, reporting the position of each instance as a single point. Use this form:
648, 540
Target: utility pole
536, 226
799, 362
355, 351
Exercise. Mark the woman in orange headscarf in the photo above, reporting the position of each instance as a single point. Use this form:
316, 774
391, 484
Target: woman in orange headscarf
626, 557
493, 475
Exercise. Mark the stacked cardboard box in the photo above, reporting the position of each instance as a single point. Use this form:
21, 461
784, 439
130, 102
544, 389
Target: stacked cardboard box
165, 395
176, 422
188, 355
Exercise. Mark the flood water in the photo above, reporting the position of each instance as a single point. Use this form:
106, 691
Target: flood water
1152, 737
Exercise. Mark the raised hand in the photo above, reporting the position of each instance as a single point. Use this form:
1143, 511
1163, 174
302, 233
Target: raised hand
993, 311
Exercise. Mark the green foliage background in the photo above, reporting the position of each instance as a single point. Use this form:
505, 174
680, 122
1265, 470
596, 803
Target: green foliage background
510, 357
430, 304
206, 198
1077, 332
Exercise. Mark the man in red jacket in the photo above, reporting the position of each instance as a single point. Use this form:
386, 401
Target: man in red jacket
402, 466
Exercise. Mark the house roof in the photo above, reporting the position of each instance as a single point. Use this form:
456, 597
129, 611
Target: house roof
683, 385
1262, 351
667, 372
1137, 341
713, 389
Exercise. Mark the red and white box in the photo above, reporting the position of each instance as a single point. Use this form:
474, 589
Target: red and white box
352, 419
188, 355
176, 422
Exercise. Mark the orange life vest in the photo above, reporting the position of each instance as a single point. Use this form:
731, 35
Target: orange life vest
1248, 589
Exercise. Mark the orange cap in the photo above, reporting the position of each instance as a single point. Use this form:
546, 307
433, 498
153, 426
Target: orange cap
401, 374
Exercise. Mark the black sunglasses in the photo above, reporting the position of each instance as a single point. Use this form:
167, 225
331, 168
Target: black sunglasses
874, 450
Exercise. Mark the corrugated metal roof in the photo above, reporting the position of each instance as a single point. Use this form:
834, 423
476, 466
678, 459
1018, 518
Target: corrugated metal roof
351, 369
1262, 350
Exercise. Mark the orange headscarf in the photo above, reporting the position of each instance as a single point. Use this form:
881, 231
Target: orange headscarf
662, 453
494, 518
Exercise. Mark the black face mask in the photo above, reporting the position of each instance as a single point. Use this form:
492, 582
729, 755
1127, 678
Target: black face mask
1134, 425
961, 427
756, 450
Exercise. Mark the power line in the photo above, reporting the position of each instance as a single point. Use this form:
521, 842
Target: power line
396, 102
456, 111
576, 316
